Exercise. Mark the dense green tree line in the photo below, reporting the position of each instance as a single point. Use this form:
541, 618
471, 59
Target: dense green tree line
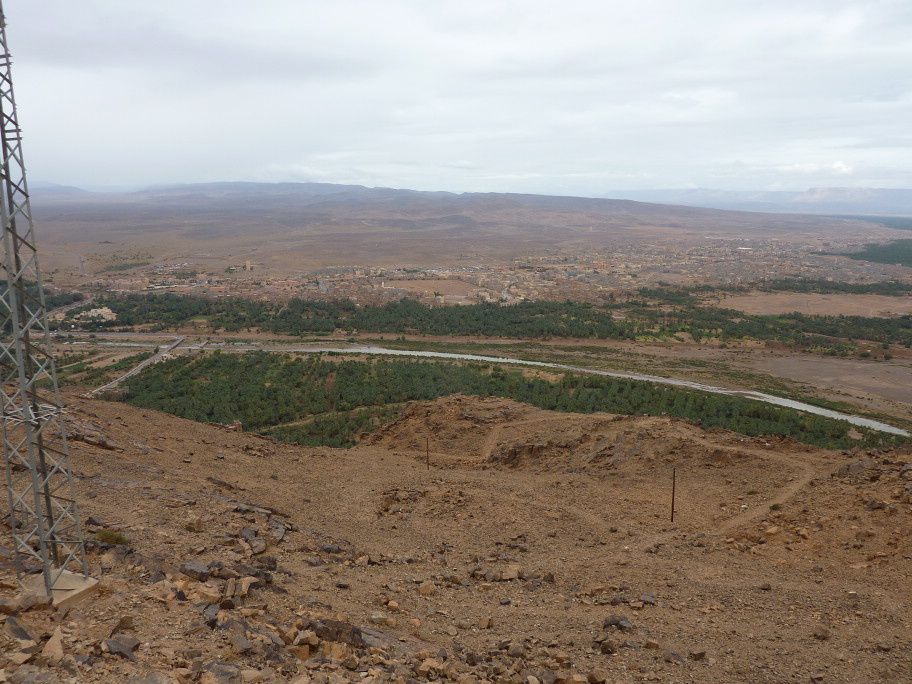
890, 288
339, 429
52, 299
679, 296
300, 317
898, 222
685, 295
632, 320
263, 391
895, 252
164, 311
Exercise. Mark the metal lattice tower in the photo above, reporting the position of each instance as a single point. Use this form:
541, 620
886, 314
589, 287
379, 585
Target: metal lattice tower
44, 519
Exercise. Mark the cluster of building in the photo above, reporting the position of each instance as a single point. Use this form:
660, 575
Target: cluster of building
586, 275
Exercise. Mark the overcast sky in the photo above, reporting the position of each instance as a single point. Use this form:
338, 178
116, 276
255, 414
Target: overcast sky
571, 97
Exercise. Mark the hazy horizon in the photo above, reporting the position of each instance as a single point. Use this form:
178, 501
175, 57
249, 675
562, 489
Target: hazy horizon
500, 97
43, 183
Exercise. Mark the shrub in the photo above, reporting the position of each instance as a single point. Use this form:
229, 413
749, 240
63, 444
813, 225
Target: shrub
111, 537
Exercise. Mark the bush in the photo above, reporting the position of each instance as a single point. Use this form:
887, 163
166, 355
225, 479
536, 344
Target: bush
111, 537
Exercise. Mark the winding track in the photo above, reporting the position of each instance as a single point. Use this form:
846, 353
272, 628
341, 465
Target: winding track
804, 472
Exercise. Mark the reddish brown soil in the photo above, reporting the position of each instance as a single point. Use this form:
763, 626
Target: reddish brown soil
819, 304
818, 586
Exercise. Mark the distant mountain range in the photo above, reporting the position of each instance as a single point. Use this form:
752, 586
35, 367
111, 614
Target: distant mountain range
225, 208
289, 227
873, 201
853, 201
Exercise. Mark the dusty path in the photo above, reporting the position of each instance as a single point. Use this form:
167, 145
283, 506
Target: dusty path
808, 472
759, 509
805, 471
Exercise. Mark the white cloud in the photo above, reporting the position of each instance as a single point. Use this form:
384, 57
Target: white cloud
839, 168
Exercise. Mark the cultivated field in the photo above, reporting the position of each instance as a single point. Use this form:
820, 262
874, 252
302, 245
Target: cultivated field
819, 304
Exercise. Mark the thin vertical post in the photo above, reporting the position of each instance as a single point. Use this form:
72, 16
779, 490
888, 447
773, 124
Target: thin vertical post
674, 473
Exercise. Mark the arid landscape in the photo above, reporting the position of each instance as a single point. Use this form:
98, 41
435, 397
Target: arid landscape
295, 233
480, 343
531, 545
281, 482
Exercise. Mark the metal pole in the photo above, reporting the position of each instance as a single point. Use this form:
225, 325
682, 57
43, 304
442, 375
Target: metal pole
44, 518
674, 473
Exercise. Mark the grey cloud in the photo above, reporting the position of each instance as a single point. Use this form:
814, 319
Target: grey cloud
149, 50
524, 95
880, 143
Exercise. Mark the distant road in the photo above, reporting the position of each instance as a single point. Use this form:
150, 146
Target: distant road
137, 368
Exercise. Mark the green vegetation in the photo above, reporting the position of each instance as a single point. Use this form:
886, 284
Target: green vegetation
123, 266
713, 372
679, 296
80, 372
895, 252
684, 295
339, 429
892, 288
267, 391
111, 537
634, 320
52, 300
897, 222
57, 299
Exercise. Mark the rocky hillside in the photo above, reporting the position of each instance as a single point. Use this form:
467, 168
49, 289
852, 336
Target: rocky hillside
472, 541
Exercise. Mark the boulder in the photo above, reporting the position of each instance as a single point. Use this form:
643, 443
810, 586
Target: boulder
196, 570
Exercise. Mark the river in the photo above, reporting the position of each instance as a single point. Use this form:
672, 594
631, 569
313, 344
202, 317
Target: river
860, 421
